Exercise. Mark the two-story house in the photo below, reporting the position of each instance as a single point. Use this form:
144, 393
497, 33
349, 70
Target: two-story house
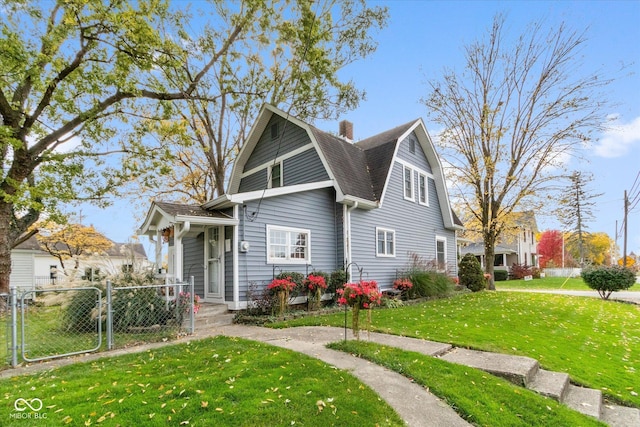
518, 245
301, 199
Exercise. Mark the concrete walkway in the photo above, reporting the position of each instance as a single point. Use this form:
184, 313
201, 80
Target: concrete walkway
411, 401
628, 296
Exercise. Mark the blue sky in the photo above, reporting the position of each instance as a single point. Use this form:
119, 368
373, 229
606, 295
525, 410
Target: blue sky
423, 37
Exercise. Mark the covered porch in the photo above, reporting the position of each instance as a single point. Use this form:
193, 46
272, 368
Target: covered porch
191, 241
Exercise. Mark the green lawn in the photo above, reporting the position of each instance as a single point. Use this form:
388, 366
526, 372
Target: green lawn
573, 284
480, 398
596, 342
219, 381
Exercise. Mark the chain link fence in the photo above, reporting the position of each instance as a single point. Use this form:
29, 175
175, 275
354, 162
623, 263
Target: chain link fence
43, 324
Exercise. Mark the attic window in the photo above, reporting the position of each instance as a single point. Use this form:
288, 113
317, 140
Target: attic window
275, 174
412, 146
274, 131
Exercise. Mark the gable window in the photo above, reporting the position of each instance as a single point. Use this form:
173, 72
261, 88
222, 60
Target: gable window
422, 189
275, 175
412, 146
288, 245
441, 253
408, 183
385, 242
274, 131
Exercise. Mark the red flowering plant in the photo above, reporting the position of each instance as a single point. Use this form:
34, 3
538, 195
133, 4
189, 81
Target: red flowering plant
281, 288
403, 285
363, 295
315, 286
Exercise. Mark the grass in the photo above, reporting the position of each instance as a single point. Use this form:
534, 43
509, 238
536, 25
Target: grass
596, 342
573, 284
217, 381
480, 398
45, 334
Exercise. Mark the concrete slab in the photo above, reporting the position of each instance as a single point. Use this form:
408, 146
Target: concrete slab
585, 400
620, 416
550, 384
517, 369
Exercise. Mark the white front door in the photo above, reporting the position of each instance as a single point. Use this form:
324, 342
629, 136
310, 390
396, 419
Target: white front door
213, 273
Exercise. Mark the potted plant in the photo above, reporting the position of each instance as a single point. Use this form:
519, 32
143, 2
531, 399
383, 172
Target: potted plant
362, 295
315, 286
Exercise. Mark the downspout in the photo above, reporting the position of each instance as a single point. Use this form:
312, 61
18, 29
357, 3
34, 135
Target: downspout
347, 221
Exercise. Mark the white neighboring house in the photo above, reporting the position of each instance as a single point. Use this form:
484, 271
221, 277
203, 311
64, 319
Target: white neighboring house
521, 248
32, 266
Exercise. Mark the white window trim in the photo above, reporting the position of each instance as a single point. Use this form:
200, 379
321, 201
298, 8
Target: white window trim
406, 168
288, 260
270, 174
393, 233
444, 240
426, 189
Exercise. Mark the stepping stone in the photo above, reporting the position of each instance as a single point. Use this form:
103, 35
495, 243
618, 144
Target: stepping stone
585, 400
620, 416
519, 370
550, 384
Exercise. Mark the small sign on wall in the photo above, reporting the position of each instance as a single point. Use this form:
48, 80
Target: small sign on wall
526, 278
227, 245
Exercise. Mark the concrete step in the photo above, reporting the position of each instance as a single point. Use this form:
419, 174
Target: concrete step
585, 400
550, 384
214, 320
207, 310
519, 370
620, 416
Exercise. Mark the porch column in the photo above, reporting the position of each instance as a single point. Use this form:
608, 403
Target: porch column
158, 242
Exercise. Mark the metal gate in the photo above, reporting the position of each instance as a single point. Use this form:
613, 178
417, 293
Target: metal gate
47, 332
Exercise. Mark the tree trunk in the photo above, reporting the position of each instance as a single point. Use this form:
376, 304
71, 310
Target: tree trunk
489, 255
6, 244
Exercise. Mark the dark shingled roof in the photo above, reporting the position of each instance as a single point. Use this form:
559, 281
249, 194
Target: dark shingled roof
189, 210
361, 168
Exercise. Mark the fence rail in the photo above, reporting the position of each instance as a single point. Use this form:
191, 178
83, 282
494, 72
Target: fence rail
44, 324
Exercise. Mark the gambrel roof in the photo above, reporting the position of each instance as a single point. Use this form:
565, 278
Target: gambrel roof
359, 172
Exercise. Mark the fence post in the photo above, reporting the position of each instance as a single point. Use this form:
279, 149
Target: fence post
13, 298
192, 320
109, 317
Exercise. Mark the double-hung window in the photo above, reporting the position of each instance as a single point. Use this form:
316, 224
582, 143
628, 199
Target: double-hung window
422, 189
288, 245
385, 242
441, 253
408, 182
275, 175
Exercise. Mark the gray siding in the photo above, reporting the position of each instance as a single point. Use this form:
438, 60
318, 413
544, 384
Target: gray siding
315, 211
415, 226
193, 257
254, 182
228, 265
304, 168
268, 149
418, 158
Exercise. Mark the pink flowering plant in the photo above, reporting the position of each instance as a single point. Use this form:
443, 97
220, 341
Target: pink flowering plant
281, 288
184, 300
362, 295
315, 286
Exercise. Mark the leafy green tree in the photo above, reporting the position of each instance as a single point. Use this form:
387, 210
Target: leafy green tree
83, 82
511, 117
608, 279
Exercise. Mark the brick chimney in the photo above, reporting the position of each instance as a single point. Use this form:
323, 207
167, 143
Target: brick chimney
346, 130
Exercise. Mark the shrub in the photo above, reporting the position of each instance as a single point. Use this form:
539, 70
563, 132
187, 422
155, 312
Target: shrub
427, 284
139, 308
336, 281
261, 301
80, 315
519, 271
297, 279
470, 273
500, 275
606, 280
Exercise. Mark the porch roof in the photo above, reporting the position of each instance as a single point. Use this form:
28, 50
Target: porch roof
478, 249
163, 215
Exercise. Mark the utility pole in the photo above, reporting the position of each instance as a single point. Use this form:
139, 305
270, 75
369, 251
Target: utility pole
626, 213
